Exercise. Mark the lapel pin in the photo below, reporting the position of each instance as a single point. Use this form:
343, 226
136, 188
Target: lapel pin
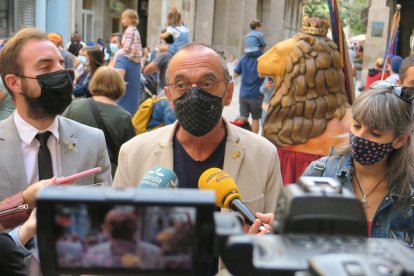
235, 155
69, 146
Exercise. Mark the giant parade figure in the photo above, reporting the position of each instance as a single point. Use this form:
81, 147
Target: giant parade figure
309, 111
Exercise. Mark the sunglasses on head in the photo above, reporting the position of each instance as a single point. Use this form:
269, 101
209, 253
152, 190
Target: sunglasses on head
404, 93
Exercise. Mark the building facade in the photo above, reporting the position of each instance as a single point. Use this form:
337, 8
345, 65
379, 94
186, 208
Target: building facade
223, 24
380, 14
46, 15
92, 19
15, 14
95, 19
220, 23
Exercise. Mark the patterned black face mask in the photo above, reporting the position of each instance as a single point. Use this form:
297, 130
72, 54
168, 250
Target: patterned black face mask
198, 111
367, 152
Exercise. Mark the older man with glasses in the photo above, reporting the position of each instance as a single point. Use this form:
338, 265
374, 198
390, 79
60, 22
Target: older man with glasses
198, 87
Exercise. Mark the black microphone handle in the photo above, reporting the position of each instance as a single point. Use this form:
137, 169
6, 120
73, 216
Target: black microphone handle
237, 205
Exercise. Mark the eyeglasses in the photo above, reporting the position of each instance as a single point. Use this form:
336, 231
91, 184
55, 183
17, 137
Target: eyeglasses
404, 93
181, 86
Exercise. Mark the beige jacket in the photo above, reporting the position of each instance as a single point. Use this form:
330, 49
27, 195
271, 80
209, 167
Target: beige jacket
250, 159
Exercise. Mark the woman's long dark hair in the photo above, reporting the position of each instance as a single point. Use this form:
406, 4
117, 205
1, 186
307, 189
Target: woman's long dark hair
96, 59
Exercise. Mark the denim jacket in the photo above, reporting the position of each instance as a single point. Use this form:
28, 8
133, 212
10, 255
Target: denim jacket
394, 216
162, 114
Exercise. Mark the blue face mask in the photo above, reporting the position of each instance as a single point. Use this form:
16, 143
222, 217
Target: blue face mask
113, 47
83, 60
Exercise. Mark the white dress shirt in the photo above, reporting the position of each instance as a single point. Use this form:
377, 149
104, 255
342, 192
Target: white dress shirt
30, 147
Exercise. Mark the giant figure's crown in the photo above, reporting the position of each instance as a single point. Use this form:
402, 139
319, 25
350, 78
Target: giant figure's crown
314, 25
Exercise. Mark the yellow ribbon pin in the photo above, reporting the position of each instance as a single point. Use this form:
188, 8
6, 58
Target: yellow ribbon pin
235, 154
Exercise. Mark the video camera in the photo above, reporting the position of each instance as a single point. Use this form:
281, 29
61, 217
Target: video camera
322, 231
93, 230
319, 205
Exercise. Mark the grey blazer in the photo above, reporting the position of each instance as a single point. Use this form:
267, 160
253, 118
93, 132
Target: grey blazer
81, 148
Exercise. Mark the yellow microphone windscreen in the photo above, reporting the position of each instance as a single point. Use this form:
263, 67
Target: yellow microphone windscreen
222, 183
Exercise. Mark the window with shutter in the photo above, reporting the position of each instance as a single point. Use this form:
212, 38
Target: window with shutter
24, 13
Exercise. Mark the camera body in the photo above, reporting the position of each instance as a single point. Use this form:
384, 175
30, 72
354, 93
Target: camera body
322, 231
322, 227
319, 205
307, 254
93, 230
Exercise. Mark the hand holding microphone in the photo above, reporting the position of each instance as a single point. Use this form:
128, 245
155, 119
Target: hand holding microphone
257, 226
228, 196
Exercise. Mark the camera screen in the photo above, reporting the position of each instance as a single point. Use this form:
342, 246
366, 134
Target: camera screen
124, 236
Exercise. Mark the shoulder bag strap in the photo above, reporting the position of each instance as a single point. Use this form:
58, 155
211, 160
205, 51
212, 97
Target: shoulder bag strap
102, 126
320, 166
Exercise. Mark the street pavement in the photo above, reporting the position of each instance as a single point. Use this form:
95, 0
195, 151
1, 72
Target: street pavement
231, 112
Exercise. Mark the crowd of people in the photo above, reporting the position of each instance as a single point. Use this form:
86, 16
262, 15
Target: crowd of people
45, 134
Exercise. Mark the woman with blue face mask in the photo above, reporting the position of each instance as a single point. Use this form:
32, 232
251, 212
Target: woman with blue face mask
378, 162
81, 71
92, 59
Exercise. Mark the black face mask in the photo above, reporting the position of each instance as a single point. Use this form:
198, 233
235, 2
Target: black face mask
198, 111
56, 92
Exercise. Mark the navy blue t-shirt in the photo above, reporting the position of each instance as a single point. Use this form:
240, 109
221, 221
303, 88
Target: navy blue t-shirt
188, 171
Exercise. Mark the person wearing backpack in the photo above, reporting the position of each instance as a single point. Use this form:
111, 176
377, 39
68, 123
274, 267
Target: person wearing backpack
153, 113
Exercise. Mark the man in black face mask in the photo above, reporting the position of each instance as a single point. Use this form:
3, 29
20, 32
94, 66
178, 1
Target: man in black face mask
35, 142
198, 88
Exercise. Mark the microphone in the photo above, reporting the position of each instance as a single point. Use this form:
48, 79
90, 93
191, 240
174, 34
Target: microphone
159, 178
227, 193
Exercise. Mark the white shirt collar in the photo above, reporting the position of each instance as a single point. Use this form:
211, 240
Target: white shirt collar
27, 132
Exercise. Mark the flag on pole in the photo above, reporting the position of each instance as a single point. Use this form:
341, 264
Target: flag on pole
392, 39
339, 38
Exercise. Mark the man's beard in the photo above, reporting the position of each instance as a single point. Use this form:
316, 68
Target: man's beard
34, 111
